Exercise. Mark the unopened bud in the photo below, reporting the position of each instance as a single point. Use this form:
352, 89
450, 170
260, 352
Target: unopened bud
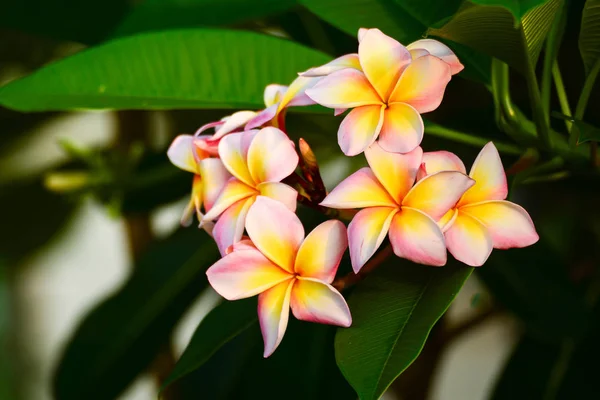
310, 170
307, 155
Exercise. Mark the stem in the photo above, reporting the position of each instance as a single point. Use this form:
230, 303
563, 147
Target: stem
552, 44
461, 137
352, 279
587, 91
562, 95
540, 118
501, 90
544, 168
582, 104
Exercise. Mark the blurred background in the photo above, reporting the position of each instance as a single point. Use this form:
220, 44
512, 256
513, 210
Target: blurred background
85, 194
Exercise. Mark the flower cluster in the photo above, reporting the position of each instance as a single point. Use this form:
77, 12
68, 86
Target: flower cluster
245, 180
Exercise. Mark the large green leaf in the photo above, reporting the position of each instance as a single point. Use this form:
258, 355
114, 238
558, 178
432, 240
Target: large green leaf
195, 68
393, 312
518, 8
404, 20
222, 324
169, 14
120, 338
80, 21
491, 29
589, 36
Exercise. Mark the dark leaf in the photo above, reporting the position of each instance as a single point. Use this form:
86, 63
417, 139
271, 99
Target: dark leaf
170, 14
32, 216
493, 30
81, 21
302, 367
221, 325
120, 337
533, 283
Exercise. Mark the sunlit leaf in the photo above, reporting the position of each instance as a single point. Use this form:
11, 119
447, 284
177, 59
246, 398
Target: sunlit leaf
195, 68
589, 36
493, 30
119, 338
393, 311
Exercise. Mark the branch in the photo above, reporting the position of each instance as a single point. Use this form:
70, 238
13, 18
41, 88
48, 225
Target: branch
352, 279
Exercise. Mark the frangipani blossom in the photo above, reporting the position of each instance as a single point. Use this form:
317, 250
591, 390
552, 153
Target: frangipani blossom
285, 269
482, 219
258, 161
390, 203
277, 99
388, 86
198, 156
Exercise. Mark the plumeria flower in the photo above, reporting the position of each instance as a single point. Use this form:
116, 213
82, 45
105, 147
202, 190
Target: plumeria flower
388, 90
482, 219
277, 99
258, 161
390, 203
285, 269
198, 155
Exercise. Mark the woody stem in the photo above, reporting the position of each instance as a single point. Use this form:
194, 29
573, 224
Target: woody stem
352, 279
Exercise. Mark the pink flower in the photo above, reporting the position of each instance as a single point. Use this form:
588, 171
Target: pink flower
258, 161
198, 155
388, 86
285, 269
277, 99
392, 204
482, 219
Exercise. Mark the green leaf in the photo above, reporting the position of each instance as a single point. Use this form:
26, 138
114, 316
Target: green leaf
81, 21
404, 20
589, 36
393, 312
518, 8
195, 68
169, 14
222, 324
120, 338
491, 30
